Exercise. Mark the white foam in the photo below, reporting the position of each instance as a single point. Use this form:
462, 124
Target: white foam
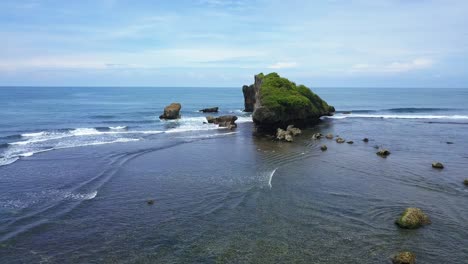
244, 119
271, 177
36, 134
457, 117
118, 127
85, 132
81, 196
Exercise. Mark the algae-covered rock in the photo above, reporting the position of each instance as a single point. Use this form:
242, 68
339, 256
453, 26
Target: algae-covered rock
383, 152
405, 257
437, 165
280, 102
413, 218
340, 140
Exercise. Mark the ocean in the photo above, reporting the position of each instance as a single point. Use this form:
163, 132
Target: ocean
78, 165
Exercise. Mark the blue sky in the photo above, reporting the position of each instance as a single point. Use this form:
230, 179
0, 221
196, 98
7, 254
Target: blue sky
336, 43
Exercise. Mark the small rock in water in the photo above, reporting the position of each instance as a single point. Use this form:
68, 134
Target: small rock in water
437, 165
323, 147
317, 136
412, 218
405, 257
365, 140
329, 136
209, 110
150, 202
340, 140
449, 142
350, 142
383, 153
465, 182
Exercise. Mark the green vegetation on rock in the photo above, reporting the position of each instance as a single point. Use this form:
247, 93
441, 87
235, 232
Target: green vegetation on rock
281, 95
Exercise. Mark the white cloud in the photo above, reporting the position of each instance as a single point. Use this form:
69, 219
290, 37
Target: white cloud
394, 67
283, 65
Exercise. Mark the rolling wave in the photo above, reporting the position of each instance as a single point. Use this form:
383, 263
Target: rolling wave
390, 116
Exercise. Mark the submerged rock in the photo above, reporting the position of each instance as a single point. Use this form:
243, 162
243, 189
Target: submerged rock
412, 218
317, 136
365, 140
228, 121
249, 97
150, 202
171, 111
279, 102
449, 142
350, 142
209, 110
437, 165
323, 147
405, 257
383, 153
340, 140
329, 136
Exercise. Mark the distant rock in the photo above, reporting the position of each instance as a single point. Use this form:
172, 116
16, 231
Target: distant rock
340, 140
228, 121
383, 153
350, 142
437, 165
413, 218
329, 136
323, 147
171, 111
279, 102
405, 257
317, 136
150, 202
465, 182
346, 113
210, 110
249, 97
449, 142
365, 140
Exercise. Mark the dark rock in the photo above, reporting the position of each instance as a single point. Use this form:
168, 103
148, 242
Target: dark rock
404, 258
465, 182
383, 153
437, 165
223, 121
412, 218
249, 97
323, 147
329, 136
346, 113
340, 140
150, 202
280, 102
171, 111
350, 142
365, 140
449, 142
210, 110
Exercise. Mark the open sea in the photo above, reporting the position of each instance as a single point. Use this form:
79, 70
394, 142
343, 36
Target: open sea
77, 166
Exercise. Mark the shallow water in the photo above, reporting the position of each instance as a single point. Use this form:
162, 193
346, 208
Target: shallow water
226, 196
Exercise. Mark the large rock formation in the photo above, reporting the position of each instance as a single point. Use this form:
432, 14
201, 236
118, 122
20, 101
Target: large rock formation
280, 102
249, 97
171, 111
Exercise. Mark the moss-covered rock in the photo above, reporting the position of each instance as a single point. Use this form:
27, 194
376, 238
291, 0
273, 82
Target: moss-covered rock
405, 257
280, 102
412, 218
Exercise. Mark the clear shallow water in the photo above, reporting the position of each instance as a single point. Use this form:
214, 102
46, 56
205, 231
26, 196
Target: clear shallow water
225, 196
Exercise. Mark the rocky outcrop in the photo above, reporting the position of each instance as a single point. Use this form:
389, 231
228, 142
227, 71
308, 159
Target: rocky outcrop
279, 102
210, 110
405, 257
249, 97
412, 218
228, 121
171, 111
437, 165
383, 153
288, 134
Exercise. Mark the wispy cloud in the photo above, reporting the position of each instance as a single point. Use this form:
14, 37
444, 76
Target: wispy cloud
394, 67
283, 65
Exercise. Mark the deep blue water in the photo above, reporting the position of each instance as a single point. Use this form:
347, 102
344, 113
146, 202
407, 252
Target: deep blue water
78, 164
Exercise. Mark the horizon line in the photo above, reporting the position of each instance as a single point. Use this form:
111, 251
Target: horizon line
216, 87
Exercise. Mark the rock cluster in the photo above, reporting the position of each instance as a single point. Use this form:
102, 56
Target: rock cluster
171, 111
287, 134
228, 121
